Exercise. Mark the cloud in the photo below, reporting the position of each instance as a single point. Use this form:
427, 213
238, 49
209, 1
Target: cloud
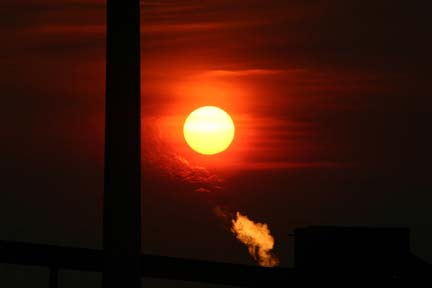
70, 30
158, 153
241, 73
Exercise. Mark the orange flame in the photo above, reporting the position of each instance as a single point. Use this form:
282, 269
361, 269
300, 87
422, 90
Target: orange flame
257, 237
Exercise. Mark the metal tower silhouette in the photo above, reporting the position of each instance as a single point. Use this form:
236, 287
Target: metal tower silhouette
122, 200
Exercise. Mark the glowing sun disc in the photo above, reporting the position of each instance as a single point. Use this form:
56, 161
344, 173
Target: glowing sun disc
209, 130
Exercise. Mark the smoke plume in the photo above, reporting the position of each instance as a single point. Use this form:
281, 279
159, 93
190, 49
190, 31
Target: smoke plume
159, 154
257, 237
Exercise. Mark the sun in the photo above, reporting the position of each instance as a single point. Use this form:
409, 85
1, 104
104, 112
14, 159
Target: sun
209, 130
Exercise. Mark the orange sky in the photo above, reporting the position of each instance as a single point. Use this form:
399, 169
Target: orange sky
330, 100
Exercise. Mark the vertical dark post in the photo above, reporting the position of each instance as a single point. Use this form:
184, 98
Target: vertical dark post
53, 277
122, 225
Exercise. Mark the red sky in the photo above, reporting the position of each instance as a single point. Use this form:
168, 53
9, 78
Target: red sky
330, 100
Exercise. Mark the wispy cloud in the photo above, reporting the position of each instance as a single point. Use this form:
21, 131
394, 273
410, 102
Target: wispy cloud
67, 30
240, 73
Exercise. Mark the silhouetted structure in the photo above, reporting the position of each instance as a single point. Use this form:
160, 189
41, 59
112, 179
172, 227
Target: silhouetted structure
350, 247
357, 253
324, 255
152, 266
122, 224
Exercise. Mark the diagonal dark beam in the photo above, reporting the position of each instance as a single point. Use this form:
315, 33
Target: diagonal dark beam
207, 272
152, 266
122, 225
70, 258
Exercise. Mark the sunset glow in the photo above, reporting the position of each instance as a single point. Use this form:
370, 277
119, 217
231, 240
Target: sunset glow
233, 126
209, 130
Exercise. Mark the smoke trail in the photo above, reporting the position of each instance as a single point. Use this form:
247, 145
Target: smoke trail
257, 237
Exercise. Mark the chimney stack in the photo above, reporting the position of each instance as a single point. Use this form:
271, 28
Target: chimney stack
122, 191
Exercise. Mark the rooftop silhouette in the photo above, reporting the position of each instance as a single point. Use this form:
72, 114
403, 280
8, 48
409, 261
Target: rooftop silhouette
325, 254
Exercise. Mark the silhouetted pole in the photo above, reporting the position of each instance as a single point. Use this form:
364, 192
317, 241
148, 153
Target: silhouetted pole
122, 213
53, 277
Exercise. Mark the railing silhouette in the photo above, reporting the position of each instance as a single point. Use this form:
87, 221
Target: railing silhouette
330, 255
56, 258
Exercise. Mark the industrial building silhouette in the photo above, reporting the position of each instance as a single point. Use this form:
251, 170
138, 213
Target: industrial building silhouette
322, 254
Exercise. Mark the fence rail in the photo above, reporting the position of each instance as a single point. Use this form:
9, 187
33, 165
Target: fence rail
57, 258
